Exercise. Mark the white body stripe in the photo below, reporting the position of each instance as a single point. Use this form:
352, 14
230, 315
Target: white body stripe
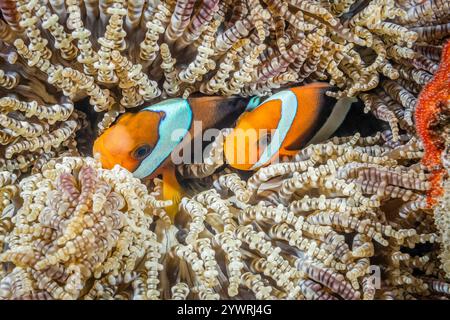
334, 121
289, 107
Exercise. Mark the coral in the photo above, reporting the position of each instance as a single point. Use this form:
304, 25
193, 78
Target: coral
348, 215
442, 218
8, 188
182, 47
30, 131
341, 206
252, 48
79, 222
432, 118
350, 218
8, 191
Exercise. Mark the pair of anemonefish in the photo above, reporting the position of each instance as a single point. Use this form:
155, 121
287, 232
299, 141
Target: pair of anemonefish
143, 143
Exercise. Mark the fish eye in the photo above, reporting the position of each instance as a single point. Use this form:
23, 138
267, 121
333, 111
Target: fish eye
142, 151
265, 140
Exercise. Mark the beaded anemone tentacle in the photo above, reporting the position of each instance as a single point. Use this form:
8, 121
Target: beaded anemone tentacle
348, 218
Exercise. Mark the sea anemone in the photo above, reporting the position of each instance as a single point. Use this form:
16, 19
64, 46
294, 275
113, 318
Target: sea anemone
350, 218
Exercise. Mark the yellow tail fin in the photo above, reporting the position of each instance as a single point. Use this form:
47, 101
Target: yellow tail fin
172, 190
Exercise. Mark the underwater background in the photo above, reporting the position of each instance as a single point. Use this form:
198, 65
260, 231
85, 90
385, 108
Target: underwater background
355, 207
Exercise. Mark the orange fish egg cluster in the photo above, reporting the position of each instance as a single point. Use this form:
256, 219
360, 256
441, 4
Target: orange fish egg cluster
433, 98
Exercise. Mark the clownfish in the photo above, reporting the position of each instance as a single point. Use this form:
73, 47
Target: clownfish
143, 143
283, 124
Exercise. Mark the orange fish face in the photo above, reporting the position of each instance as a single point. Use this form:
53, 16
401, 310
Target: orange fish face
129, 141
277, 127
253, 131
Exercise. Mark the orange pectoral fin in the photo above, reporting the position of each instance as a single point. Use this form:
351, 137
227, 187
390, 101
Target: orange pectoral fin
172, 190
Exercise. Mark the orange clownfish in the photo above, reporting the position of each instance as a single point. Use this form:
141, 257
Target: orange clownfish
283, 124
143, 142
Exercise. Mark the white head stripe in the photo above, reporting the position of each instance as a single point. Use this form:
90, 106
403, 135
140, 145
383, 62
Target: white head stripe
178, 115
289, 106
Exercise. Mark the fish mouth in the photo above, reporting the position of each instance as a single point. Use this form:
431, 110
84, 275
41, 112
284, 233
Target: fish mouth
107, 161
99, 153
242, 149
